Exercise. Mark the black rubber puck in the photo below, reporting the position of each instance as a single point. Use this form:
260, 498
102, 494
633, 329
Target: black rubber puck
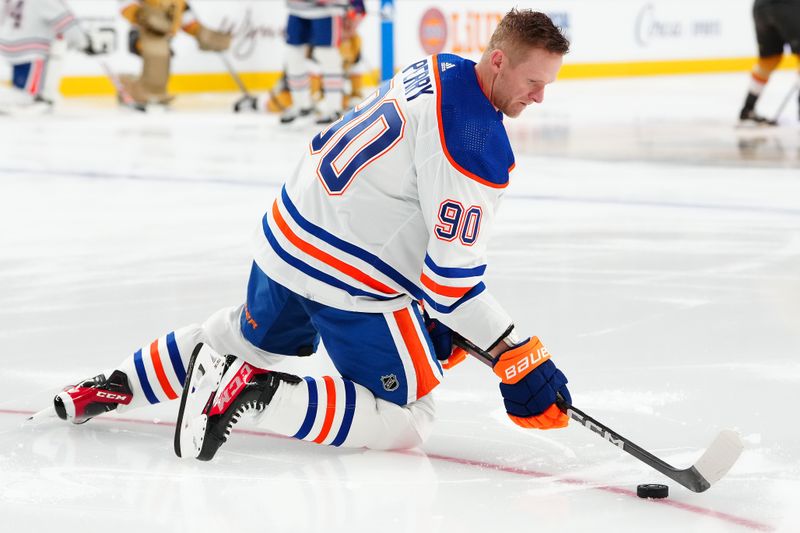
652, 490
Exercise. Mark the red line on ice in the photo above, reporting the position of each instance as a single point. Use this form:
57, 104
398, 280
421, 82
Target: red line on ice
725, 517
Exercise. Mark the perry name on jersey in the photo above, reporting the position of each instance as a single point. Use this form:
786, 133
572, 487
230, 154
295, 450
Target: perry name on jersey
395, 201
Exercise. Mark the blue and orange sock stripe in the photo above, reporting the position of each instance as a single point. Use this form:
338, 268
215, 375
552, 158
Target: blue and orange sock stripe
328, 411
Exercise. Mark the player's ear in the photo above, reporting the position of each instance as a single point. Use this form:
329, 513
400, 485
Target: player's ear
496, 59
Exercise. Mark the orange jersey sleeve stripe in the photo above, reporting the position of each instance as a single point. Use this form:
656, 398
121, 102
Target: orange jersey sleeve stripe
446, 152
325, 257
330, 410
426, 380
443, 290
162, 376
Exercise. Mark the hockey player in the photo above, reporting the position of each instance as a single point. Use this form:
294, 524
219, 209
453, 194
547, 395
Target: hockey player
32, 33
157, 21
391, 206
777, 24
316, 24
279, 98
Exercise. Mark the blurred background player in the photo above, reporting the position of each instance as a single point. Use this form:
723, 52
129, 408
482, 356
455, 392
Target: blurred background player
777, 23
279, 98
156, 22
33, 37
392, 205
321, 25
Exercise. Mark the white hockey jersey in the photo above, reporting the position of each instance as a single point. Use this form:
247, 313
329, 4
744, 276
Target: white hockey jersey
28, 27
395, 201
315, 9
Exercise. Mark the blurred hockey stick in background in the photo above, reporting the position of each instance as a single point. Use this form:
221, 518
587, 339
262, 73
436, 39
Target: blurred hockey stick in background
248, 101
122, 93
795, 86
710, 468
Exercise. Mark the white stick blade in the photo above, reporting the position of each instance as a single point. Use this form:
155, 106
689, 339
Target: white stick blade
720, 456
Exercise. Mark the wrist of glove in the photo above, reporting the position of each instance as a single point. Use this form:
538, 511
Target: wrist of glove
529, 384
442, 340
212, 41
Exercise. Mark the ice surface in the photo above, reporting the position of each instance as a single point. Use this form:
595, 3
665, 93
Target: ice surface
653, 247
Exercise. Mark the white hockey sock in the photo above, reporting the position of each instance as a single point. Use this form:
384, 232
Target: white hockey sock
337, 412
757, 81
156, 372
297, 76
330, 61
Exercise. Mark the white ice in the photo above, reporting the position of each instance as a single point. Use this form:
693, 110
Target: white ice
651, 245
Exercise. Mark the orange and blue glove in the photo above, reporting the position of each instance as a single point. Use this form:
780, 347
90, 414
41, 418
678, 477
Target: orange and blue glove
530, 382
442, 340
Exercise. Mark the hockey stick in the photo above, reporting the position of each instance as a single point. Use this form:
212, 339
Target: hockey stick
710, 468
795, 86
125, 98
248, 100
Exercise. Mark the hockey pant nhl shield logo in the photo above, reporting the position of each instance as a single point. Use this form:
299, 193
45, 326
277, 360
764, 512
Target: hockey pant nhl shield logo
390, 382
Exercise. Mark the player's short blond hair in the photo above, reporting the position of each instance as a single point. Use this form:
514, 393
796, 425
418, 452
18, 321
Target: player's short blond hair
523, 29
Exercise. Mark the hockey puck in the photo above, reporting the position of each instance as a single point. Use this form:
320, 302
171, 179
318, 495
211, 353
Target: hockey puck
652, 490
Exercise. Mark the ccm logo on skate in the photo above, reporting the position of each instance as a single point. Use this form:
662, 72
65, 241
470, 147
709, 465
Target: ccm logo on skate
121, 398
531, 360
232, 389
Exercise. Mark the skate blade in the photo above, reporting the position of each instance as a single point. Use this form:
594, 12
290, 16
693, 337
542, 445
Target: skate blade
45, 415
202, 380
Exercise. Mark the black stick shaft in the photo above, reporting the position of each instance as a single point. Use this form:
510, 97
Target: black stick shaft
234, 74
689, 478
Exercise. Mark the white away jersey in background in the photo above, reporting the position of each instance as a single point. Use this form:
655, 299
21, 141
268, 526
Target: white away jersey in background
395, 201
314, 9
27, 27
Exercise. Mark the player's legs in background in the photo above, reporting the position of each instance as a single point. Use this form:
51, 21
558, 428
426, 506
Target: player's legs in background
380, 400
151, 86
27, 81
326, 36
298, 34
770, 51
50, 91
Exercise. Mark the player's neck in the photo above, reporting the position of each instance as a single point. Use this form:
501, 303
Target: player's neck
485, 81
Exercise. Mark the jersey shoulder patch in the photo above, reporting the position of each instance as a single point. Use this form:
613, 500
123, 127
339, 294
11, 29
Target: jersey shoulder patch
470, 129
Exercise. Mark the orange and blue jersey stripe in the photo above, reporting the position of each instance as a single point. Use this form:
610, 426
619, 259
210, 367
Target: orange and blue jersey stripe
304, 255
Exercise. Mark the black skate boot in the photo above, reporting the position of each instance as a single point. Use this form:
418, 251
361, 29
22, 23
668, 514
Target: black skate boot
93, 397
292, 114
218, 391
748, 115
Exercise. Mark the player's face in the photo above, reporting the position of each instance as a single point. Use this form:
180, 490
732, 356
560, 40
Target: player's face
521, 83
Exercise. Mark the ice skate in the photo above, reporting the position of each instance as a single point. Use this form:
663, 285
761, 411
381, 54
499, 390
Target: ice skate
219, 390
328, 118
92, 397
246, 104
749, 118
293, 113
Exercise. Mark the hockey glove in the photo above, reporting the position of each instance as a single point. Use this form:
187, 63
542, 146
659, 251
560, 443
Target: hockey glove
442, 339
214, 41
529, 385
